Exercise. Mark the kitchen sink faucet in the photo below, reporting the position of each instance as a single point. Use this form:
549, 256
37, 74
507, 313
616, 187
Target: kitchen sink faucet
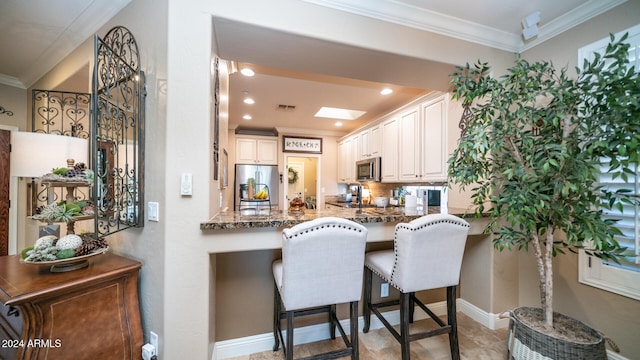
358, 196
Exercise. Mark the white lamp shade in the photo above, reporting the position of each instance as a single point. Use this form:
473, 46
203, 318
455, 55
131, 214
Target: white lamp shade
36, 154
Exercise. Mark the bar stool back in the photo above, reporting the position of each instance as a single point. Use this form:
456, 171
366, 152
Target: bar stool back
427, 254
322, 265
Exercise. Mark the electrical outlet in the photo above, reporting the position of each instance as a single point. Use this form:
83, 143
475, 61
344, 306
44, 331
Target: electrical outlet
153, 340
384, 289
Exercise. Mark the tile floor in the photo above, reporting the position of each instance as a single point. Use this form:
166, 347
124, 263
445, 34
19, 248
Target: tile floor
476, 342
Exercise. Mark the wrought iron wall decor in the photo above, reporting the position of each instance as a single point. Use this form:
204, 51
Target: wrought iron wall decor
118, 133
4, 111
59, 113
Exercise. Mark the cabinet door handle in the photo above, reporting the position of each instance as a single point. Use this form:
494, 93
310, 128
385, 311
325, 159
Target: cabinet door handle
13, 311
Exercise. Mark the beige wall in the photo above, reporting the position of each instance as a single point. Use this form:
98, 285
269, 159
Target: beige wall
146, 19
618, 317
15, 100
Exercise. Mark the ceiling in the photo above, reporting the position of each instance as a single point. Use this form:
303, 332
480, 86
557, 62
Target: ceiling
34, 36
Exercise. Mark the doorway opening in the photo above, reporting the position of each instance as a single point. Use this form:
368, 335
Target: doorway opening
303, 174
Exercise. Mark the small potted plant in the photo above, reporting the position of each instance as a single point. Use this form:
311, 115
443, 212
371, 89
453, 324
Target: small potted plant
531, 149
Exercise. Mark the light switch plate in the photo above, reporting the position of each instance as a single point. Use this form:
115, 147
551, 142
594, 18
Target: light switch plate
186, 184
153, 211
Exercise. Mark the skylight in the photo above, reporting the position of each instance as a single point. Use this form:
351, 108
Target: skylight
336, 113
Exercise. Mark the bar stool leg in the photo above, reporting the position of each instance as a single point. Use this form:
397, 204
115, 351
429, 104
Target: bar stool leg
276, 318
332, 322
289, 347
452, 320
366, 309
412, 306
355, 352
404, 325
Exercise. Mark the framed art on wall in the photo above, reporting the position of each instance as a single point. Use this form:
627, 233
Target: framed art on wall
225, 169
301, 144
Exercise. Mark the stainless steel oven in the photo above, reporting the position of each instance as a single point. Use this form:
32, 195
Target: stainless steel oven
368, 169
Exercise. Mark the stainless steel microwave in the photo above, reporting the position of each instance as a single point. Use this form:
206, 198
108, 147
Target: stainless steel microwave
368, 169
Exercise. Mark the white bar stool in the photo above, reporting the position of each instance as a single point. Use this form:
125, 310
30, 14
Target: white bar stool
427, 254
322, 265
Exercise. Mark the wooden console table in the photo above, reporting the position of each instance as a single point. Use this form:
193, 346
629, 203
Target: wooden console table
91, 313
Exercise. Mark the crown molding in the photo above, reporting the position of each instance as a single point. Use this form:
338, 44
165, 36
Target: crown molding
442, 24
11, 81
571, 19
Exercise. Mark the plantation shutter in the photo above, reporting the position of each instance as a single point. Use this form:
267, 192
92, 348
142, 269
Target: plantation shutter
623, 278
629, 218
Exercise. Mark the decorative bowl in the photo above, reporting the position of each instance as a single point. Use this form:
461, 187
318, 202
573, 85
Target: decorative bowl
380, 201
64, 265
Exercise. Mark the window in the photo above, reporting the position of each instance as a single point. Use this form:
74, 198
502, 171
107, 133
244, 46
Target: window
624, 278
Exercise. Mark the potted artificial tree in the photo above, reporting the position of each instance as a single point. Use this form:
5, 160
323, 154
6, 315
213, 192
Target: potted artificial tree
530, 150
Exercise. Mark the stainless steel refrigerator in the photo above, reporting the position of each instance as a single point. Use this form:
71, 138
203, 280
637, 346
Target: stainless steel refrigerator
264, 176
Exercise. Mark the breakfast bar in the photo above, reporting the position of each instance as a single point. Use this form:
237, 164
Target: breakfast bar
242, 247
369, 215
379, 221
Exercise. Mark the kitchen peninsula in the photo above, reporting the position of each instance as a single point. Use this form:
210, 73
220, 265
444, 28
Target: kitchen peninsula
283, 218
242, 248
380, 222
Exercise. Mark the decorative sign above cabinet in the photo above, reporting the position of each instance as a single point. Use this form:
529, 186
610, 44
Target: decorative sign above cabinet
301, 144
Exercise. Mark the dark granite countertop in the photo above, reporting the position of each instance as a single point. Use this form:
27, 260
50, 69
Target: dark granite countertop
283, 218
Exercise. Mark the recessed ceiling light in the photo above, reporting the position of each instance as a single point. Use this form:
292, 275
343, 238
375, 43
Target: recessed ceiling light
247, 72
247, 117
336, 113
338, 123
386, 91
249, 101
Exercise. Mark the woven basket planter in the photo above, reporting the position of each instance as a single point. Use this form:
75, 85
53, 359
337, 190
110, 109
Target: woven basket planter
527, 343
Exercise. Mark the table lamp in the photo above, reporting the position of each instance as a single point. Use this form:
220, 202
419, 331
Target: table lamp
36, 154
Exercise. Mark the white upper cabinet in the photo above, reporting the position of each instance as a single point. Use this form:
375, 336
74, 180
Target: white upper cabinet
254, 150
409, 157
389, 153
412, 142
347, 155
434, 140
421, 145
370, 142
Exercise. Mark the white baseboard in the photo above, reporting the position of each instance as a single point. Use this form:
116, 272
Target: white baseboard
487, 319
615, 356
258, 343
